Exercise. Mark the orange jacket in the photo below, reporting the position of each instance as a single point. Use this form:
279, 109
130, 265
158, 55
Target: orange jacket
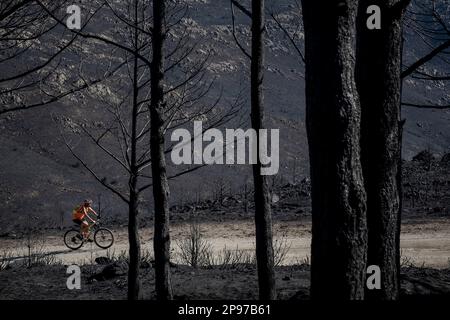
78, 213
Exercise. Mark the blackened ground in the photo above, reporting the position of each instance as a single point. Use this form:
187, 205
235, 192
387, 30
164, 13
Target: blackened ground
49, 282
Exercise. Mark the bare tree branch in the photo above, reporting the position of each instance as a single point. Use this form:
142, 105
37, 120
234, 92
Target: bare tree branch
234, 32
92, 172
420, 62
291, 39
423, 106
242, 8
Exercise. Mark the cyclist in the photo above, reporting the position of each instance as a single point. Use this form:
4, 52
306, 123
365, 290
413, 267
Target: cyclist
80, 215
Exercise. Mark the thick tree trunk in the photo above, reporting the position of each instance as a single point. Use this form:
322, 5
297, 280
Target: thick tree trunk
263, 211
379, 56
339, 233
161, 241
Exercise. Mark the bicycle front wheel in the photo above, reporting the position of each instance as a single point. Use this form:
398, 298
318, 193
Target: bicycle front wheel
104, 238
73, 239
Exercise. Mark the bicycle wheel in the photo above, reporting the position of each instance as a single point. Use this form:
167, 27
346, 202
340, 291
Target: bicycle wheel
104, 238
73, 239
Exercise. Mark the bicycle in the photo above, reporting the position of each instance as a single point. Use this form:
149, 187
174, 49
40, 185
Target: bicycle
103, 237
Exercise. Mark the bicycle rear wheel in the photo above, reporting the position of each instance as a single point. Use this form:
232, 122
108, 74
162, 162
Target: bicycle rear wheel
73, 239
103, 238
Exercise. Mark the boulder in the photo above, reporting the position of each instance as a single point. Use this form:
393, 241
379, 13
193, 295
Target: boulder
110, 271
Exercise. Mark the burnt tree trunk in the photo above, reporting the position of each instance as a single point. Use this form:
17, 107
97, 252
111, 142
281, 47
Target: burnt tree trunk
379, 60
134, 285
161, 241
339, 232
263, 210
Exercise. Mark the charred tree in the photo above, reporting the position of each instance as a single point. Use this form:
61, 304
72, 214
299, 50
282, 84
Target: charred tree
339, 231
127, 125
263, 210
134, 124
23, 25
161, 241
379, 66
134, 286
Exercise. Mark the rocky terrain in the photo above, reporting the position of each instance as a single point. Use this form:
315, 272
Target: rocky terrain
40, 178
109, 283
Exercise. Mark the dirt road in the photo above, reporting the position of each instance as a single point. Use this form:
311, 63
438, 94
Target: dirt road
422, 242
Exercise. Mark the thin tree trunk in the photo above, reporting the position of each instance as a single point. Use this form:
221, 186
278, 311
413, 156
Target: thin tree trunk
134, 286
339, 233
379, 56
161, 241
263, 211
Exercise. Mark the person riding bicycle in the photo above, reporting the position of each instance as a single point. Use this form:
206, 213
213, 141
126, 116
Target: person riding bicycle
80, 216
